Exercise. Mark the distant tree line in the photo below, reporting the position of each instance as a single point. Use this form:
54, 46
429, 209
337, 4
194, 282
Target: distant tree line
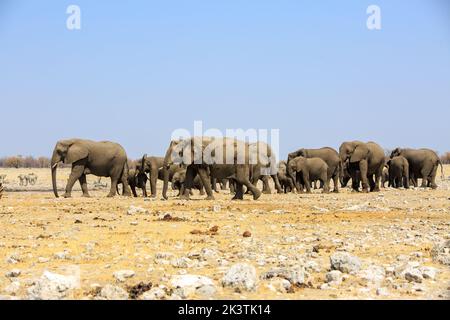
445, 158
24, 162
44, 162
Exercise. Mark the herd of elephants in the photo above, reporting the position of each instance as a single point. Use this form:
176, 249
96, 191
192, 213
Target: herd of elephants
365, 164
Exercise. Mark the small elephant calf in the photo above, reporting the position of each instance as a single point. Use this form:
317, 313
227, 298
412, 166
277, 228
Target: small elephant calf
304, 170
399, 172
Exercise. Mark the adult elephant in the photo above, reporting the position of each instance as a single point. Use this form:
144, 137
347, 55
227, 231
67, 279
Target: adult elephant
102, 159
368, 159
151, 165
423, 163
327, 154
218, 158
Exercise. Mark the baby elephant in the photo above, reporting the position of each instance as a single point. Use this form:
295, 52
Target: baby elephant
304, 170
398, 172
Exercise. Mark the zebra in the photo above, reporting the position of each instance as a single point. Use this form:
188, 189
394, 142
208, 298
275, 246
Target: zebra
1, 190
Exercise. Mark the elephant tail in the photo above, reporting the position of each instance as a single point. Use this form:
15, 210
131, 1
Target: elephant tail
442, 170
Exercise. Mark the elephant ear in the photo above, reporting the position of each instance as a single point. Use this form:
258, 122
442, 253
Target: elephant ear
361, 152
76, 153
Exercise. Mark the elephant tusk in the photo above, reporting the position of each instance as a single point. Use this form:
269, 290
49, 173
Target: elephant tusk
55, 165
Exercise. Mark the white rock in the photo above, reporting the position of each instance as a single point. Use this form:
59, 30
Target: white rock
123, 275
279, 285
12, 288
428, 272
334, 276
382, 292
52, 286
241, 276
373, 274
413, 275
110, 292
186, 285
13, 273
345, 262
154, 294
216, 208
132, 210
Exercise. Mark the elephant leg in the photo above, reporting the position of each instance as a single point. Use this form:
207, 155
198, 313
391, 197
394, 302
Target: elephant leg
133, 190
214, 184
153, 181
83, 184
191, 172
77, 172
432, 179
326, 183
144, 189
242, 178
363, 167
335, 183
306, 181
239, 191
206, 181
126, 191
277, 183
424, 172
406, 180
266, 186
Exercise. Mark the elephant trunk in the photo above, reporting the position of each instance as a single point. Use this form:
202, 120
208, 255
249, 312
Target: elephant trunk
54, 165
291, 174
167, 160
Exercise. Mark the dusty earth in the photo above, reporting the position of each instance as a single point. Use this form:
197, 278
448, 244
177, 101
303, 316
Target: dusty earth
387, 245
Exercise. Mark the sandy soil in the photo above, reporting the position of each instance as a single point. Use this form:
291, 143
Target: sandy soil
96, 237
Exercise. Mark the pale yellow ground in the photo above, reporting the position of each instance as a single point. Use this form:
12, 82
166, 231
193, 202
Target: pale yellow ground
35, 224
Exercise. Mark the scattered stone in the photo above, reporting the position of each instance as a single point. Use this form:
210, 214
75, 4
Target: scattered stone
154, 294
247, 234
137, 290
373, 274
345, 262
441, 253
62, 255
110, 292
123, 275
186, 285
216, 208
132, 210
334, 276
413, 275
241, 276
366, 207
428, 272
382, 291
13, 288
43, 260
295, 276
13, 273
14, 258
52, 286
280, 285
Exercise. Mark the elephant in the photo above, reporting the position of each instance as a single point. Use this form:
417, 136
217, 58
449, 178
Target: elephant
423, 163
350, 172
327, 154
178, 182
137, 179
368, 159
385, 177
286, 182
222, 158
398, 172
304, 170
151, 165
102, 159
256, 175
222, 183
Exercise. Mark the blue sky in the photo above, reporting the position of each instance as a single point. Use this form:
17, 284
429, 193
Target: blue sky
137, 70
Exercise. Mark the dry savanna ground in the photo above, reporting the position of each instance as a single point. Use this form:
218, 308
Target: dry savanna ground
388, 245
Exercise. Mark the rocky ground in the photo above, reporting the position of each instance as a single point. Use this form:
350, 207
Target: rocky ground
389, 245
